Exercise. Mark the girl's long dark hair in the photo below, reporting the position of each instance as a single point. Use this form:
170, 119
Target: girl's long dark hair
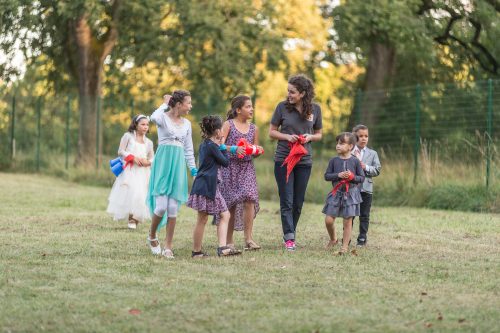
210, 124
236, 103
303, 84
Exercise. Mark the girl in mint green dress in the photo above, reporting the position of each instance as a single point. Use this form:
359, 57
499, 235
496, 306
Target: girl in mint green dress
168, 185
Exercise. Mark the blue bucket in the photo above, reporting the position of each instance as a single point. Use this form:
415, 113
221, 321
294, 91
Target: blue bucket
117, 168
114, 161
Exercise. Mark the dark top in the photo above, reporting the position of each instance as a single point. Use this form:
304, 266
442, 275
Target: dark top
338, 165
291, 122
210, 158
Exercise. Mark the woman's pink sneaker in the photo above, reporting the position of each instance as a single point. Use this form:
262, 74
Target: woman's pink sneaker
290, 245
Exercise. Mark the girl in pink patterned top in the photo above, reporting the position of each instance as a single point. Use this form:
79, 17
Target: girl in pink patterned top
239, 181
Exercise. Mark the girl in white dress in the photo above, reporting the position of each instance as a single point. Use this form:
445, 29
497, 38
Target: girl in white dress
128, 195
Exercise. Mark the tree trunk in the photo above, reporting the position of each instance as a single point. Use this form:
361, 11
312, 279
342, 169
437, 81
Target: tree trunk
90, 56
379, 72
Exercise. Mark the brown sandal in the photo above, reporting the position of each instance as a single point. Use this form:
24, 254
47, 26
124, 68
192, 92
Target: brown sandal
252, 246
225, 251
343, 251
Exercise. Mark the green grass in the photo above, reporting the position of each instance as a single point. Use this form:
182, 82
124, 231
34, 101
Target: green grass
66, 266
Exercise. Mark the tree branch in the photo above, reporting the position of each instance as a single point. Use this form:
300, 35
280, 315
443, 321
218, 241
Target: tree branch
111, 36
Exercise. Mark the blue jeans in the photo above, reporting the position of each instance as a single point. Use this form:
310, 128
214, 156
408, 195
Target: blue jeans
292, 195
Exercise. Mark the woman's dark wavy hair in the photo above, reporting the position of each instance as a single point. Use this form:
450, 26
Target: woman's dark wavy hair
178, 97
303, 84
133, 125
236, 103
210, 124
346, 137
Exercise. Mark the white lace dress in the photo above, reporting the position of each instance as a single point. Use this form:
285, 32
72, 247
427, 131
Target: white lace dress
128, 195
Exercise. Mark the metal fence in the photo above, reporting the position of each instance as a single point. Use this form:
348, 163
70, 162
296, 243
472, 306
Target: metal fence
459, 122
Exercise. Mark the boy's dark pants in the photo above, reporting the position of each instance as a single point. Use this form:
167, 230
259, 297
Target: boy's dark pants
292, 196
364, 216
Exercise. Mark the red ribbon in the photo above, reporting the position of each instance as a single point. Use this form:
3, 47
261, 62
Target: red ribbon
129, 161
297, 150
342, 182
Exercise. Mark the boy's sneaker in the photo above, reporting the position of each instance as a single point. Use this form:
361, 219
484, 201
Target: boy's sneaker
290, 245
361, 242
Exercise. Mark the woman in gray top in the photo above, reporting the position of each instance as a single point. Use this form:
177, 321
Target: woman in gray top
294, 117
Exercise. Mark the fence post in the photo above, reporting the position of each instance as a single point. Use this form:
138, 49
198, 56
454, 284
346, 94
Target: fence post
98, 119
39, 131
489, 130
12, 129
418, 94
68, 114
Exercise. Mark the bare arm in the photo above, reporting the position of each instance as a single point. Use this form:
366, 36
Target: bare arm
274, 133
317, 136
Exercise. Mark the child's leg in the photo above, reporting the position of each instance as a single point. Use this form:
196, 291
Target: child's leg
161, 205
347, 233
230, 226
222, 228
330, 227
170, 232
199, 229
248, 216
364, 218
155, 222
172, 209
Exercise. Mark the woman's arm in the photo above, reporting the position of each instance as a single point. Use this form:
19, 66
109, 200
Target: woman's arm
274, 133
317, 136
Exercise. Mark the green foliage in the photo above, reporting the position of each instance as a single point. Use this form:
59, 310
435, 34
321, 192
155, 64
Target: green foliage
221, 43
418, 31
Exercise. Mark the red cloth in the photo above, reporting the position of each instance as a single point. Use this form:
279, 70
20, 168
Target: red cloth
342, 182
297, 150
129, 161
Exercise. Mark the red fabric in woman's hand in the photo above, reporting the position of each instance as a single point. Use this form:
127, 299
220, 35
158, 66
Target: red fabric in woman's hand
297, 150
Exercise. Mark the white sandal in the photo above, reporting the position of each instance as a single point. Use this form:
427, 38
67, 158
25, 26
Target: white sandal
167, 253
156, 250
132, 225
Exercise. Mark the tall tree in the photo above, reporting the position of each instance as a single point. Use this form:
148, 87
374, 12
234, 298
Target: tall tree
217, 44
408, 41
77, 37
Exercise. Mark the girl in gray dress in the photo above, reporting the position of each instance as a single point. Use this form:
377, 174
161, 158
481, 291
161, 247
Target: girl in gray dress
345, 173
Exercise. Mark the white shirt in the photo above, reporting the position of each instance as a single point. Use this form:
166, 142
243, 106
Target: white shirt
173, 134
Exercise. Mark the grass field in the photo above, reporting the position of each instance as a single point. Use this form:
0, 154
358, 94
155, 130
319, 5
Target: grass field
66, 266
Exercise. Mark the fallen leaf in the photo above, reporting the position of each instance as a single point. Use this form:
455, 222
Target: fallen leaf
354, 253
440, 316
428, 325
134, 311
423, 293
44, 254
283, 267
461, 320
